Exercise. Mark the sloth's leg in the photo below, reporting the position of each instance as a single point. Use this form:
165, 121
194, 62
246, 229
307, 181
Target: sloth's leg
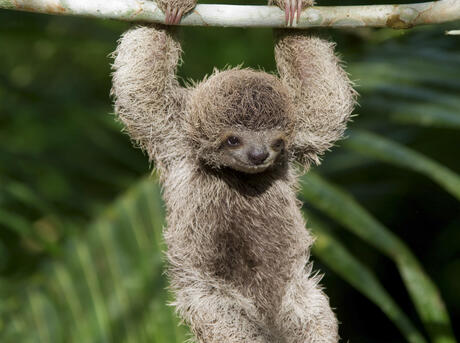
220, 315
305, 315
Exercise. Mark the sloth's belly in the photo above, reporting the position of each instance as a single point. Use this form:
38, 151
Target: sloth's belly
259, 261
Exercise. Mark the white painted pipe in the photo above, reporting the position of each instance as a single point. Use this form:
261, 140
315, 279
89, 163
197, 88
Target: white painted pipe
395, 16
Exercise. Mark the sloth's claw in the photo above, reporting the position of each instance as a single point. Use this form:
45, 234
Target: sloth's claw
179, 16
299, 9
286, 12
167, 15
173, 16
293, 9
290, 8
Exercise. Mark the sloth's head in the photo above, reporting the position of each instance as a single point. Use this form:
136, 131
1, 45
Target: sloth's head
251, 152
241, 119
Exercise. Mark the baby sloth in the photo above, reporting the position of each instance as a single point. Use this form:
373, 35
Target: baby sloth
226, 150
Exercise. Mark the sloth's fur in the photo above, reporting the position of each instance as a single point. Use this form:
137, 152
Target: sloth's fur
238, 249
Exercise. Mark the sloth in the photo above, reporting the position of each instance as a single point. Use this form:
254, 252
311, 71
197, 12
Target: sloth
229, 151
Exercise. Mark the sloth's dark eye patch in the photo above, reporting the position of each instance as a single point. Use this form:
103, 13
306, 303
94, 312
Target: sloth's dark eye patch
233, 141
278, 144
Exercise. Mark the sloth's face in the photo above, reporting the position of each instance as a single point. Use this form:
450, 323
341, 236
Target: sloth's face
252, 152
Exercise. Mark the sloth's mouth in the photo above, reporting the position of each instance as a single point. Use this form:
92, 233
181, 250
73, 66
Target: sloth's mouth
251, 168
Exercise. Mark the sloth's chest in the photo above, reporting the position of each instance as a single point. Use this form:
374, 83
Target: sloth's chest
247, 251
239, 234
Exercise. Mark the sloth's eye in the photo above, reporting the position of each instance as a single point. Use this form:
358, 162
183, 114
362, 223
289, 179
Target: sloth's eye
233, 141
278, 144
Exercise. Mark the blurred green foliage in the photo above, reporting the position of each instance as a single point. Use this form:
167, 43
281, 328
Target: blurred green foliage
80, 223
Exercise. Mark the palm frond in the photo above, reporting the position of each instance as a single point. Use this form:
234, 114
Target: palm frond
343, 208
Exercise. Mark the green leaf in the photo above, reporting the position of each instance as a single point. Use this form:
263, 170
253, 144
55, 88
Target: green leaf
416, 113
333, 254
383, 149
418, 94
429, 115
108, 286
345, 210
25, 195
16, 223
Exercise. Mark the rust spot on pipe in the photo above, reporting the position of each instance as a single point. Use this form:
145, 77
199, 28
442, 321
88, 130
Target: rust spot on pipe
55, 9
135, 14
50, 9
395, 22
26, 8
198, 14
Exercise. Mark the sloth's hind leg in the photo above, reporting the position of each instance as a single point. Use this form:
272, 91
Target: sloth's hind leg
305, 315
220, 316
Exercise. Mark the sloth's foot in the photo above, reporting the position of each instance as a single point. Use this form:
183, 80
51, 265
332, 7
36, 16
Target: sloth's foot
175, 9
292, 8
173, 15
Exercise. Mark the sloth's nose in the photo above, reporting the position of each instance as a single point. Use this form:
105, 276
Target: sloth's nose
257, 155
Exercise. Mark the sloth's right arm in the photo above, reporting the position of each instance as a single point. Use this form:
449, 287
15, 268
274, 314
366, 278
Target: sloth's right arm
148, 97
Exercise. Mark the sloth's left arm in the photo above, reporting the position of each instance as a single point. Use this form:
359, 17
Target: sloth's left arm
320, 90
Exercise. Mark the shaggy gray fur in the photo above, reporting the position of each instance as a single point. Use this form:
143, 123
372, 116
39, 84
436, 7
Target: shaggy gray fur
238, 250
